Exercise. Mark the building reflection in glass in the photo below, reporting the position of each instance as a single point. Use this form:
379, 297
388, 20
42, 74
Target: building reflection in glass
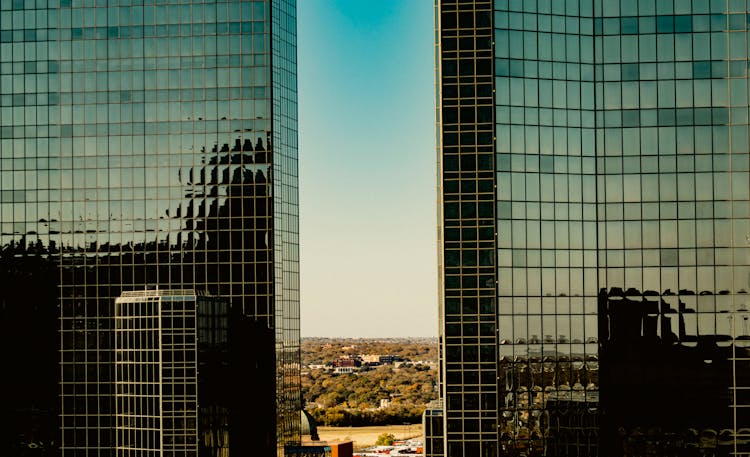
140, 146
594, 227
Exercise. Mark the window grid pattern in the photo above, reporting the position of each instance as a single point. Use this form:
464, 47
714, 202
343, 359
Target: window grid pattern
156, 374
138, 408
546, 207
468, 219
286, 221
673, 210
136, 148
622, 220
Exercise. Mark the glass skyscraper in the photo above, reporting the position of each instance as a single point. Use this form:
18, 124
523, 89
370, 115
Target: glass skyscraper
143, 144
594, 226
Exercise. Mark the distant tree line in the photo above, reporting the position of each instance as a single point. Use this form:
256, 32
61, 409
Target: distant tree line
354, 399
320, 351
347, 417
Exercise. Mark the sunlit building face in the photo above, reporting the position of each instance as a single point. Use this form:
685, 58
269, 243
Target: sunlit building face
143, 144
595, 226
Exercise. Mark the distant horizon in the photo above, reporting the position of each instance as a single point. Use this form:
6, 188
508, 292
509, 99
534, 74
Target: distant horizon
369, 337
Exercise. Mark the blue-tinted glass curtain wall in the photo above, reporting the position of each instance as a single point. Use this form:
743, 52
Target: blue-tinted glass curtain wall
619, 180
143, 144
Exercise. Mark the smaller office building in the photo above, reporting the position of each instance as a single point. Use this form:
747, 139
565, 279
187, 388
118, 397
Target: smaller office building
432, 428
187, 372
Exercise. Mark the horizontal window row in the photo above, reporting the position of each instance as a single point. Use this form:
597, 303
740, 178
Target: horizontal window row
95, 52
108, 185
550, 164
173, 261
144, 10
704, 69
468, 210
468, 234
470, 282
151, 87
548, 305
535, 330
620, 48
200, 98
175, 31
131, 129
42, 65
468, 138
636, 211
557, 327
627, 25
680, 47
469, 257
610, 8
647, 234
569, 8
466, 67
123, 155
669, 117
680, 23
484, 329
467, 197
645, 141
651, 275
478, 18
538, 118
716, 301
636, 256
615, 188
219, 99
589, 96
468, 186
544, 22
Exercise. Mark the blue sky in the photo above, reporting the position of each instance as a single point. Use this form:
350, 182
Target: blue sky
367, 168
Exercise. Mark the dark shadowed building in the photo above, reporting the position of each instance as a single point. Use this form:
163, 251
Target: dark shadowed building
185, 383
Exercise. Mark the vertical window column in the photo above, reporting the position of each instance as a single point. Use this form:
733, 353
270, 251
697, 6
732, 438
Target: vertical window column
470, 336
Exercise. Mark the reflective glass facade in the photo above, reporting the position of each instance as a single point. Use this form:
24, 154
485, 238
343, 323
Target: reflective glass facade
595, 226
142, 144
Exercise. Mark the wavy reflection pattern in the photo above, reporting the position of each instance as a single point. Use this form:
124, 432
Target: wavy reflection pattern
139, 149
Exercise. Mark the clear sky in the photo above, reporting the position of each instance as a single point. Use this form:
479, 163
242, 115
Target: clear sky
367, 168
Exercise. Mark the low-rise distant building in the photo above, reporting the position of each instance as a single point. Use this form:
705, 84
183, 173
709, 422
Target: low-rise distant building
389, 359
370, 358
349, 361
432, 429
379, 359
